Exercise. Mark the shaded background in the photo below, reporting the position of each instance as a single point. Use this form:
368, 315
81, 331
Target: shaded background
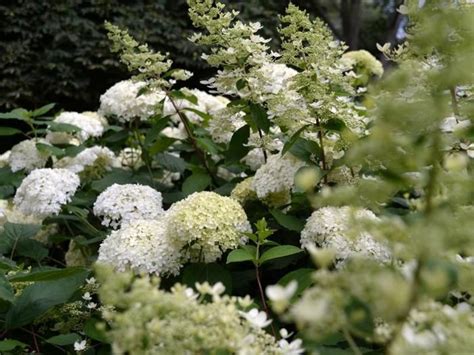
57, 51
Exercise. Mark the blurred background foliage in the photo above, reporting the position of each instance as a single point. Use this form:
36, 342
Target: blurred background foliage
57, 51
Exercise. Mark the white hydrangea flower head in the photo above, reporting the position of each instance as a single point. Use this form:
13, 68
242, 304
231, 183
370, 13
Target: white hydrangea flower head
178, 132
131, 158
4, 159
25, 156
329, 227
205, 103
271, 79
90, 127
121, 204
43, 192
363, 59
205, 224
9, 213
274, 180
243, 191
141, 246
122, 101
224, 124
88, 157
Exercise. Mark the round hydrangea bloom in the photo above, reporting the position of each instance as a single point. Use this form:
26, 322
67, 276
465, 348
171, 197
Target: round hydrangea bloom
363, 60
123, 102
141, 246
272, 78
89, 125
25, 156
274, 180
88, 157
121, 204
243, 191
205, 224
44, 191
329, 227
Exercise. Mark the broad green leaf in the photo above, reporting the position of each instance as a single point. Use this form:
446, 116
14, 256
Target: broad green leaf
13, 233
293, 139
198, 181
6, 290
38, 298
42, 110
9, 131
64, 339
50, 149
237, 146
47, 275
161, 144
290, 222
153, 132
63, 127
279, 252
16, 114
182, 96
11, 344
334, 124
212, 273
359, 317
171, 162
31, 248
91, 330
208, 145
303, 277
259, 117
241, 83
117, 176
239, 255
205, 116
305, 149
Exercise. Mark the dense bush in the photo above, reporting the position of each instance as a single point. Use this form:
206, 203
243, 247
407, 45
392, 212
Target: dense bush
308, 203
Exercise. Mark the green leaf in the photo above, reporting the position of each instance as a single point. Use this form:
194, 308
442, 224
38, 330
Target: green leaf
198, 181
50, 149
304, 278
237, 146
117, 176
212, 273
359, 317
47, 275
64, 339
42, 110
293, 139
305, 149
208, 145
205, 116
259, 117
161, 144
63, 127
291, 223
9, 131
6, 290
241, 83
153, 132
182, 96
11, 344
239, 255
38, 298
334, 124
16, 114
91, 330
31, 248
13, 233
279, 252
171, 162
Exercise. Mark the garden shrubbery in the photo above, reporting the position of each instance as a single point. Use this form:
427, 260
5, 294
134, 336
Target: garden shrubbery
307, 202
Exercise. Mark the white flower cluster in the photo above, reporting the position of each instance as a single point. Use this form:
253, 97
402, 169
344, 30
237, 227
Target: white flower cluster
89, 157
271, 79
44, 191
123, 102
274, 180
131, 158
4, 157
141, 246
121, 204
9, 213
25, 156
90, 124
329, 227
205, 224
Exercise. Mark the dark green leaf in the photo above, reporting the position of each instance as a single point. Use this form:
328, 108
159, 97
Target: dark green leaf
305, 149
293, 139
212, 273
38, 298
279, 252
11, 344
241, 83
303, 277
291, 223
50, 149
171, 162
47, 275
182, 96
208, 145
9, 131
334, 124
63, 127
6, 290
17, 114
198, 181
239, 255
117, 176
64, 339
153, 133
259, 117
161, 144
42, 110
205, 116
237, 146
91, 330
